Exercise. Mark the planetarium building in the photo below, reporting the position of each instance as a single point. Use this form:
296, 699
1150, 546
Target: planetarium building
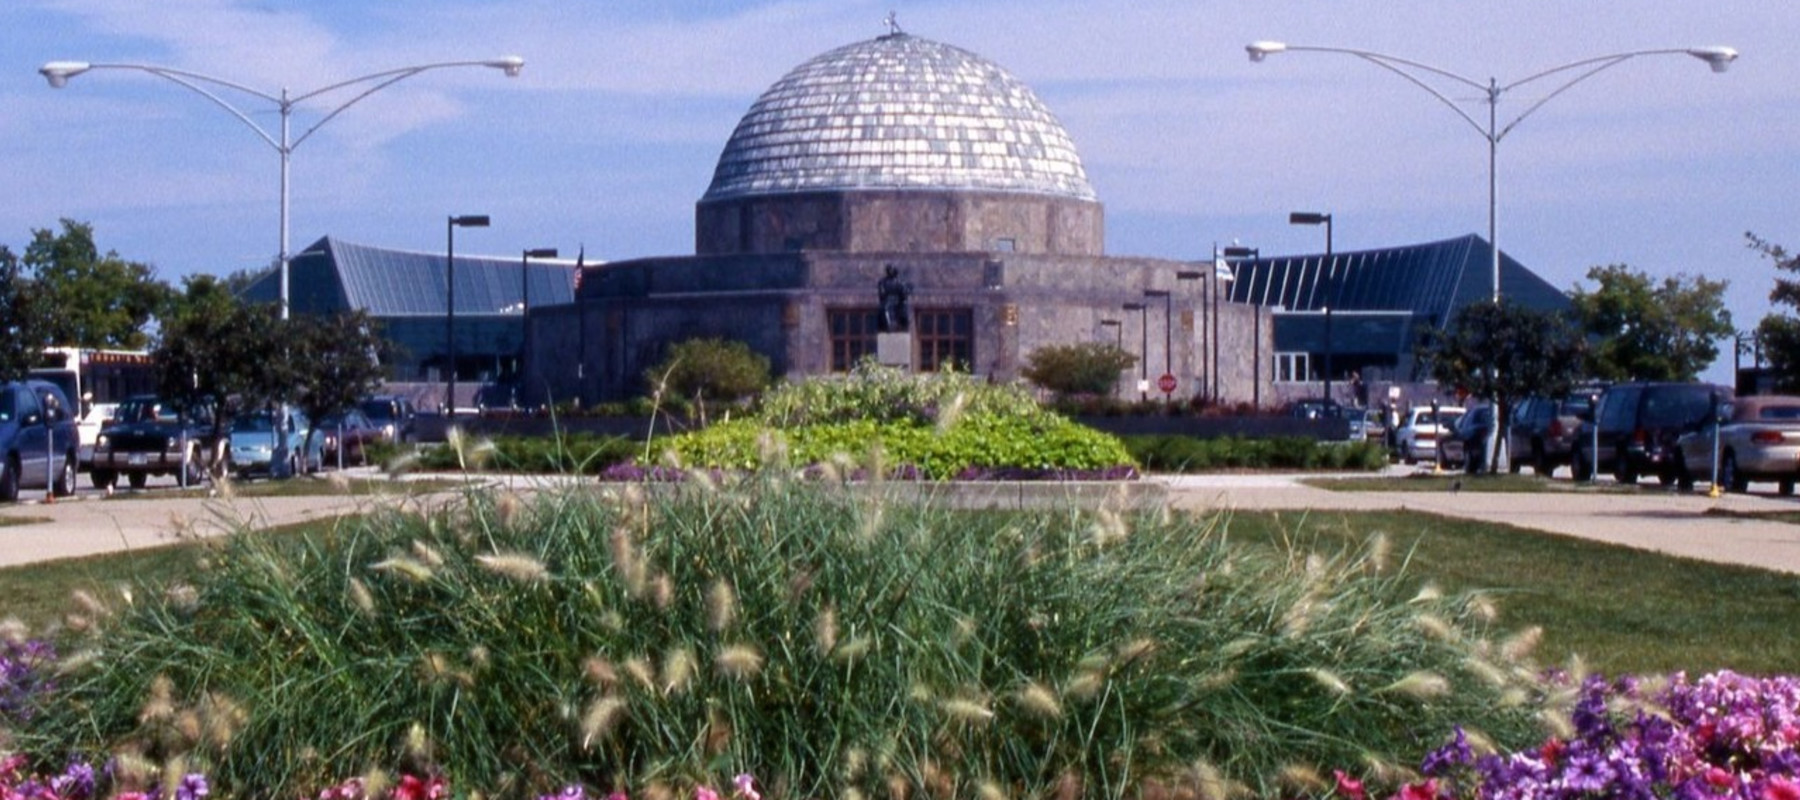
907, 155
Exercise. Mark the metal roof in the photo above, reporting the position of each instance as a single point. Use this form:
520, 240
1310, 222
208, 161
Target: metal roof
1427, 280
899, 112
334, 275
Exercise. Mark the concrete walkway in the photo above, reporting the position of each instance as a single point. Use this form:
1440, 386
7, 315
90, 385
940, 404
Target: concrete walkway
1677, 524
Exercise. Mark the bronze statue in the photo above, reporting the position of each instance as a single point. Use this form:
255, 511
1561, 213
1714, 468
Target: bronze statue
894, 317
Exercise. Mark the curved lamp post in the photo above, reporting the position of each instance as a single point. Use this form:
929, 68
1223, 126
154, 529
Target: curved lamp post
58, 74
454, 222
1416, 73
525, 258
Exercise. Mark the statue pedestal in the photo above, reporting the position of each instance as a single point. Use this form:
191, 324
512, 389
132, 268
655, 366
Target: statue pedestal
894, 350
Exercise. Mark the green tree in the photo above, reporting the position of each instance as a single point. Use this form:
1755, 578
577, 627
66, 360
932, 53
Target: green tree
100, 300
335, 363
1080, 368
710, 369
1504, 352
217, 354
1779, 330
21, 328
1649, 330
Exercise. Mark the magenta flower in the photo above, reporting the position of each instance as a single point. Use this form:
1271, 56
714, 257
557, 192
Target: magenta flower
705, 793
746, 786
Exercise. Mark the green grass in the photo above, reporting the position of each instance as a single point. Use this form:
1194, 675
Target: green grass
1618, 609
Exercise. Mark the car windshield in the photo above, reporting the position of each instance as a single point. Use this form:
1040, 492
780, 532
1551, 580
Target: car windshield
259, 423
7, 406
1779, 413
379, 409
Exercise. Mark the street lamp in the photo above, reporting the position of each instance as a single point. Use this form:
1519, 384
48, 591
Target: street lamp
1191, 275
1143, 349
1337, 285
58, 74
525, 306
465, 221
1719, 58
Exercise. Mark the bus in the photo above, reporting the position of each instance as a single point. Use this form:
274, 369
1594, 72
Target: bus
98, 380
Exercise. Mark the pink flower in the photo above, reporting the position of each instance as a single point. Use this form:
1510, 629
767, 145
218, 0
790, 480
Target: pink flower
705, 793
1420, 791
746, 786
413, 787
618, 796
1780, 788
1719, 777
1348, 786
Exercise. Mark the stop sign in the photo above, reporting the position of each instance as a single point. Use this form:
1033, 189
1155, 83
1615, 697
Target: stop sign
1166, 383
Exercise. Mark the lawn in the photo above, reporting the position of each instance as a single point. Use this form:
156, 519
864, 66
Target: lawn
1619, 610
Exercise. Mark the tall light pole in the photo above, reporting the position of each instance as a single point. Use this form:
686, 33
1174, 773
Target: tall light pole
525, 258
1143, 349
1191, 275
1337, 285
465, 221
1416, 73
59, 73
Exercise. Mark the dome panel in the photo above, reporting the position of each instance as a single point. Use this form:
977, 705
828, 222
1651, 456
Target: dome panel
899, 112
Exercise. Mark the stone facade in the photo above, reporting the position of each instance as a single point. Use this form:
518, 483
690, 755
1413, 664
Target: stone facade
899, 221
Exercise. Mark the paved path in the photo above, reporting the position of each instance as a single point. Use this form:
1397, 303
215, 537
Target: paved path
1666, 522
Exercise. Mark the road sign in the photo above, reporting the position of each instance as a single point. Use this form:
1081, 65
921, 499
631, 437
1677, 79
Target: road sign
1166, 383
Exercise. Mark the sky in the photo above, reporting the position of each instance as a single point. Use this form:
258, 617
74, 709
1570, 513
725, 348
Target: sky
609, 135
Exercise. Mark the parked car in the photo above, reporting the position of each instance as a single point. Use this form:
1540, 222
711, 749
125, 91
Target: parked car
1542, 431
38, 439
1637, 427
1355, 428
253, 440
395, 416
346, 437
1758, 440
1464, 445
1375, 425
149, 437
96, 418
1417, 437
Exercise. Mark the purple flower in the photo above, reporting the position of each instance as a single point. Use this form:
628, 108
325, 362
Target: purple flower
192, 787
1455, 753
76, 782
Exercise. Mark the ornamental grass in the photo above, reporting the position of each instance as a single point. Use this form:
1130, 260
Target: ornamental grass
825, 639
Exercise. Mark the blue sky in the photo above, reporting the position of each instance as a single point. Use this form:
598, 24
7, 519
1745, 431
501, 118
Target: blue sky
610, 134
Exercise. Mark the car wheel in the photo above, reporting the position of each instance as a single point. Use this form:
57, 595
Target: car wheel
293, 464
1622, 471
1729, 477
1786, 488
1684, 479
1540, 460
1474, 461
1580, 467
196, 471
65, 480
9, 480
138, 479
103, 479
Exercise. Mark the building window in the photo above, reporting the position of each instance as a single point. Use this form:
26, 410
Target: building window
945, 337
1006, 244
1292, 368
852, 336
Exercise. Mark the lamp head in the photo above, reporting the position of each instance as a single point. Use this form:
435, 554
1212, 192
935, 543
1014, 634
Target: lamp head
1240, 252
1261, 50
1719, 58
1134, 306
470, 221
510, 64
1308, 218
58, 73
541, 252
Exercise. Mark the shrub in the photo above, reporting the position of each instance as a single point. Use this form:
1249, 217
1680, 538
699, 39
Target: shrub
824, 640
1186, 454
709, 369
1082, 368
576, 453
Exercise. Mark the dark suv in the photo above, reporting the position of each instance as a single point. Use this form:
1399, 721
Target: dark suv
1542, 433
394, 415
149, 437
1638, 424
37, 439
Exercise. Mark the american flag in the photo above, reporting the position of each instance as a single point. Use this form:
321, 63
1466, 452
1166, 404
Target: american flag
579, 258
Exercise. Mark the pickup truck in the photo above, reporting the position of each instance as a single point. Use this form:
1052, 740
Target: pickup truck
148, 438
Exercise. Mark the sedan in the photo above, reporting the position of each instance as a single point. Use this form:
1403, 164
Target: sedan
253, 440
1758, 440
347, 436
1417, 437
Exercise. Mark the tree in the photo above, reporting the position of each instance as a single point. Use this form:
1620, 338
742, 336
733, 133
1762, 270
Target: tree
21, 329
1779, 330
1645, 330
217, 354
716, 369
1080, 368
100, 300
1504, 352
335, 363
